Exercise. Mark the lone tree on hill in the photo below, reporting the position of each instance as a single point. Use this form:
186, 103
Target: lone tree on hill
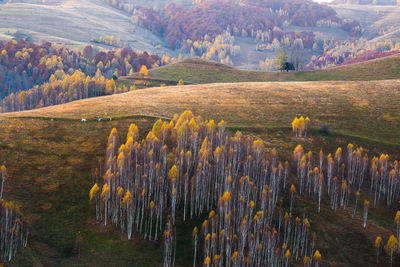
288, 66
282, 62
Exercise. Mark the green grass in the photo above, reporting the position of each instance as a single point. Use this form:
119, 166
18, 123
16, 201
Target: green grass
49, 164
196, 70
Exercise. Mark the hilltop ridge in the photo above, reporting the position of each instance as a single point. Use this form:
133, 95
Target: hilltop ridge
196, 70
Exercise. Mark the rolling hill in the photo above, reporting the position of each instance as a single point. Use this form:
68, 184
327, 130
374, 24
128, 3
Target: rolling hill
358, 108
80, 21
203, 71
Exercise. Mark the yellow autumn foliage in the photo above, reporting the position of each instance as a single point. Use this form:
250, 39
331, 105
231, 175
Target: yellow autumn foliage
93, 191
317, 256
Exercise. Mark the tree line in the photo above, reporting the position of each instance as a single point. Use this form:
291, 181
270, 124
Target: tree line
349, 52
60, 89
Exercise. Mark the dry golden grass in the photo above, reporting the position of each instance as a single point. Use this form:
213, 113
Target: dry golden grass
369, 108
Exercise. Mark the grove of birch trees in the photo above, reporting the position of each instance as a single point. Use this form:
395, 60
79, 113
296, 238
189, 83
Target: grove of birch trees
189, 168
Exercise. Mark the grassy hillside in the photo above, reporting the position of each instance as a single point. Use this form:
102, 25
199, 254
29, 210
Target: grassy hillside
80, 21
50, 163
203, 71
367, 109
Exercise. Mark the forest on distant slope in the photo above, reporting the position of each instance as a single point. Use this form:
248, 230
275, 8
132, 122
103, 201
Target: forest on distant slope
209, 28
36, 75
